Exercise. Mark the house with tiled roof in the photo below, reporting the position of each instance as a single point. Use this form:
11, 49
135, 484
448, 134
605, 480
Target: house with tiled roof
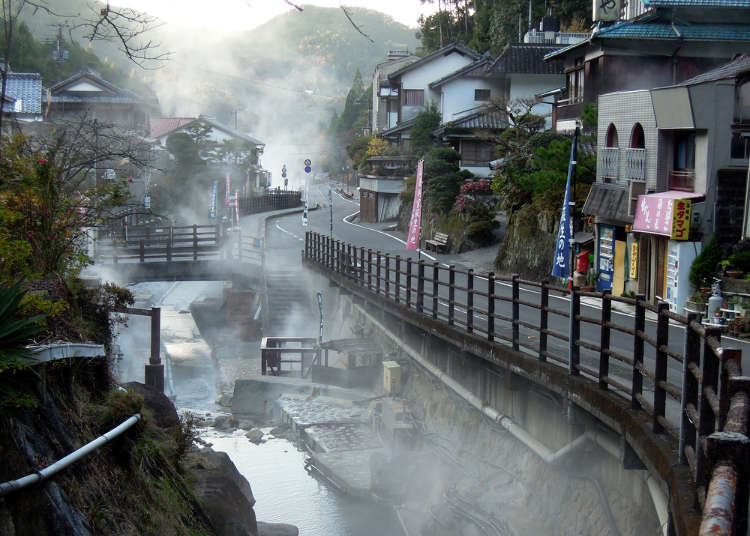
650, 43
23, 96
86, 93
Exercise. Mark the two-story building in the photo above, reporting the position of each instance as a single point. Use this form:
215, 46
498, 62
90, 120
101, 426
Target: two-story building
651, 43
23, 97
672, 168
385, 98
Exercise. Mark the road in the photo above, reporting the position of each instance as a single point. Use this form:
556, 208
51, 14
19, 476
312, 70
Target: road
286, 234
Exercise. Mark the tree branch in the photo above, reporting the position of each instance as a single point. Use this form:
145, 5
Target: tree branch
355, 26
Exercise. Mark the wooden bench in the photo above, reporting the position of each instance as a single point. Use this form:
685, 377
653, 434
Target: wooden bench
439, 240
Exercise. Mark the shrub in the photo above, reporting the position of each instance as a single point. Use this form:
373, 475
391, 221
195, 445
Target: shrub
704, 265
741, 260
480, 232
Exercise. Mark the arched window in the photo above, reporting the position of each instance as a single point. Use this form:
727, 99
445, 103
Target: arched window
612, 136
637, 138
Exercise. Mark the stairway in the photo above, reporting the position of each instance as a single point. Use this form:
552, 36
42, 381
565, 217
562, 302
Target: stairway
288, 307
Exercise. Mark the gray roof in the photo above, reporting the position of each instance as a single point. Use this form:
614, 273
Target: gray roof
447, 49
113, 94
27, 88
527, 58
402, 126
737, 66
485, 118
229, 130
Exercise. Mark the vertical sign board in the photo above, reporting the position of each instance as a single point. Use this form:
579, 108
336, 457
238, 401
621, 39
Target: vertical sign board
415, 223
212, 200
237, 206
608, 10
304, 216
634, 260
681, 219
227, 187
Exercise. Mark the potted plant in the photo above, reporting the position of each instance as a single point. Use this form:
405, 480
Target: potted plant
696, 303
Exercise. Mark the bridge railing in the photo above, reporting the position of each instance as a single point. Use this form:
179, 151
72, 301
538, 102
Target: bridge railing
183, 243
273, 200
491, 307
274, 352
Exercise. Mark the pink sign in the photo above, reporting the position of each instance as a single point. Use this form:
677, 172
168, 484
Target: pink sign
227, 187
654, 215
415, 223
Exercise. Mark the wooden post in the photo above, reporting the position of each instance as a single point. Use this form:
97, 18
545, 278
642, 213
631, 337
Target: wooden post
605, 339
141, 251
387, 275
543, 316
362, 266
692, 353
574, 332
435, 288
470, 300
377, 273
307, 245
516, 312
154, 370
398, 279
491, 306
169, 250
408, 282
369, 269
420, 286
195, 242
640, 325
660, 368
451, 294
706, 417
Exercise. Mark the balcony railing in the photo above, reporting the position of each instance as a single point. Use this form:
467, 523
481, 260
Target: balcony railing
635, 164
608, 163
683, 180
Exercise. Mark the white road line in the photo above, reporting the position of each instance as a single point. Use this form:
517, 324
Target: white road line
289, 233
344, 219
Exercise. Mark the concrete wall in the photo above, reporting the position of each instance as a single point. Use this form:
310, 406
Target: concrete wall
523, 86
457, 96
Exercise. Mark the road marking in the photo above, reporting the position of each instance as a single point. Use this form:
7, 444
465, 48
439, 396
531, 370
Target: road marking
289, 233
344, 219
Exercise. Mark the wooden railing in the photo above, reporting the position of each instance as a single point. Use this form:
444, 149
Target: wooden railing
274, 200
466, 301
274, 349
184, 243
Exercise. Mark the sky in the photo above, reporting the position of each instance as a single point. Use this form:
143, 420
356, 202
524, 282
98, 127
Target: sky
235, 15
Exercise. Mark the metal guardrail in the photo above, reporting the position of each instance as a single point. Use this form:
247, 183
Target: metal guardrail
712, 396
273, 350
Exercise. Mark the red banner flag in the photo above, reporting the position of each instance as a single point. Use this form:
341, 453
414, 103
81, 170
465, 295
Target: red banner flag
415, 224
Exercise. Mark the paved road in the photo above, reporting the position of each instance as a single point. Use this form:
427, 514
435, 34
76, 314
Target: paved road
287, 234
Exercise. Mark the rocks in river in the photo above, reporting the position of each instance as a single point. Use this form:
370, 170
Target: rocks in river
276, 529
255, 436
225, 422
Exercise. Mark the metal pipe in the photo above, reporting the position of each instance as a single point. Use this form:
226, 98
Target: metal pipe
718, 511
50, 470
660, 503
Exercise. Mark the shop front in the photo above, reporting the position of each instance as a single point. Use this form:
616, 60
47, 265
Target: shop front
663, 250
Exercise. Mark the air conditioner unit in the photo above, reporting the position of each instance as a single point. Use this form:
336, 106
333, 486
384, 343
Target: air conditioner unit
635, 188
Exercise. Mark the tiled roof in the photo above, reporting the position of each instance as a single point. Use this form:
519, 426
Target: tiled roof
402, 126
477, 69
453, 47
484, 118
164, 125
662, 31
526, 58
697, 3
737, 66
26, 87
115, 94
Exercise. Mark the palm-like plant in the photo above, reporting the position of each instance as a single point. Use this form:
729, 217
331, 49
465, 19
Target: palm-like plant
14, 332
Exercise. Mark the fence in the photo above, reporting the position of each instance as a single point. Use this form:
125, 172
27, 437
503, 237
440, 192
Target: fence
185, 243
711, 394
274, 200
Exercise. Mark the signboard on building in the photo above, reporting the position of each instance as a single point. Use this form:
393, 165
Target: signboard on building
634, 260
665, 214
607, 10
681, 219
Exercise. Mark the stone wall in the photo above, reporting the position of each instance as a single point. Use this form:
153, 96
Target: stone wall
529, 244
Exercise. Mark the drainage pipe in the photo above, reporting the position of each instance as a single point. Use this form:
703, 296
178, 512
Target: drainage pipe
50, 470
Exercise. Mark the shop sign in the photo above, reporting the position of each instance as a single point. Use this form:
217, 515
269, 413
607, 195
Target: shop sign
634, 260
681, 219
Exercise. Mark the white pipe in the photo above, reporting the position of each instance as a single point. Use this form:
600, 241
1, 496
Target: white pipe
64, 350
13, 485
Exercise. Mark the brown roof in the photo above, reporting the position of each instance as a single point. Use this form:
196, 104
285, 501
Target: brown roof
526, 58
164, 125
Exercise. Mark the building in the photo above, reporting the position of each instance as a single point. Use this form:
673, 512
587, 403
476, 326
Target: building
23, 97
650, 43
385, 98
381, 181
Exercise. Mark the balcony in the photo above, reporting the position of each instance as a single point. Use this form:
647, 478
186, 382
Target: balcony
683, 180
608, 164
635, 165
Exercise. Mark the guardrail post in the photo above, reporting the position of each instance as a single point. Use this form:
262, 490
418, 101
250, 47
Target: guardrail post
377, 273
195, 242
516, 314
337, 249
307, 245
729, 354
397, 293
435, 288
408, 282
574, 332
451, 293
692, 354
349, 258
169, 250
491, 306
154, 370
604, 339
470, 301
239, 245
362, 266
543, 321
660, 367
706, 417
640, 325
141, 251
369, 269
387, 275
420, 286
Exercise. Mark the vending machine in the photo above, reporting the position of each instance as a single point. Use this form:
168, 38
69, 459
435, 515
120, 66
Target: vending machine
680, 256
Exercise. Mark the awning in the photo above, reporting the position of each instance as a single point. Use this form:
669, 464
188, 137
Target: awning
608, 201
666, 214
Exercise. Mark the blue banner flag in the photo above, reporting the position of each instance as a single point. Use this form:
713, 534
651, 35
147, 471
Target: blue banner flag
212, 201
561, 265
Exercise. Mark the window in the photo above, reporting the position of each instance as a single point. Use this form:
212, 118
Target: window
741, 145
413, 97
637, 137
481, 94
473, 152
684, 151
612, 136
742, 103
575, 82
